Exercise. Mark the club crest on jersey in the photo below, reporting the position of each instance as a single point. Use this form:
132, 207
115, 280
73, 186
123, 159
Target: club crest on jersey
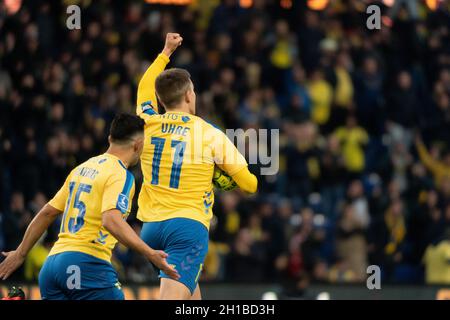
185, 119
122, 203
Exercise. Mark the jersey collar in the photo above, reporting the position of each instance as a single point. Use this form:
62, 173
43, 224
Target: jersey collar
117, 158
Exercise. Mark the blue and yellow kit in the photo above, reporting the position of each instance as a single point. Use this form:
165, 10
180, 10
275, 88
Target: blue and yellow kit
100, 184
177, 196
84, 247
179, 156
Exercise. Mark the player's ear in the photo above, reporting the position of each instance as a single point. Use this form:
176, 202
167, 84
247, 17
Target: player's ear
190, 96
138, 145
109, 139
187, 96
161, 107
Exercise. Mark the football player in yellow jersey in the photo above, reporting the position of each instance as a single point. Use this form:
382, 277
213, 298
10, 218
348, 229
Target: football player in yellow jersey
94, 201
180, 153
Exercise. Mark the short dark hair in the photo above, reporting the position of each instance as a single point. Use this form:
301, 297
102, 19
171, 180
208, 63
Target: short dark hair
125, 126
171, 85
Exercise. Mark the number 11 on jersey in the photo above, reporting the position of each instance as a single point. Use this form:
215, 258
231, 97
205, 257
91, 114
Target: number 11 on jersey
177, 163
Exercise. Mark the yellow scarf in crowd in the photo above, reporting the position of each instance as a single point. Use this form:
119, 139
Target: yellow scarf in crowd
397, 230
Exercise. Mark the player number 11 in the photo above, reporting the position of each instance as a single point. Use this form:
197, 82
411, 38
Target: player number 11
177, 160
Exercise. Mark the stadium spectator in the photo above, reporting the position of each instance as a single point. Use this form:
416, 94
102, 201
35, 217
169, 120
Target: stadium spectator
439, 169
388, 238
351, 244
352, 138
437, 260
247, 255
16, 220
331, 177
35, 259
321, 94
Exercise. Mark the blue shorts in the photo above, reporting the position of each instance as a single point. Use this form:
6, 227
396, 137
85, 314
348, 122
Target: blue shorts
78, 276
186, 243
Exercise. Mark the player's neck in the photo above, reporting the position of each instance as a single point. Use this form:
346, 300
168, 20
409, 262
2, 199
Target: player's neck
181, 108
118, 153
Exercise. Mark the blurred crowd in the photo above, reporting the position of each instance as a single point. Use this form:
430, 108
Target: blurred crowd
364, 120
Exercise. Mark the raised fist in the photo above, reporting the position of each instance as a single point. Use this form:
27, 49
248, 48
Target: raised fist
173, 41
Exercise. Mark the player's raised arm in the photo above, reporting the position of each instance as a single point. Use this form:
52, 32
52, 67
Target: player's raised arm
146, 96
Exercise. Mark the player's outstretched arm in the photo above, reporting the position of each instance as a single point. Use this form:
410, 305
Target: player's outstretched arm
113, 222
246, 180
228, 158
35, 230
146, 88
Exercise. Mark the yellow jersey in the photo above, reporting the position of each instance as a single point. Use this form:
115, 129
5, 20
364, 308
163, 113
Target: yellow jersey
437, 263
100, 184
352, 141
178, 160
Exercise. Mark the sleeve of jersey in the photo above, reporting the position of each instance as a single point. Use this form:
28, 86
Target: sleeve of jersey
246, 181
118, 192
146, 95
226, 156
59, 200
